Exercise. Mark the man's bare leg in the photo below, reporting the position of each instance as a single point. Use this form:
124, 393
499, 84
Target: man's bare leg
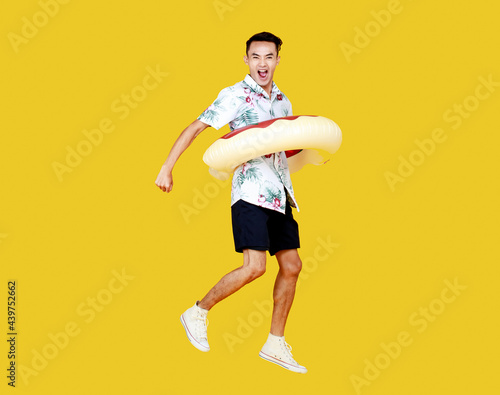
276, 350
254, 265
284, 288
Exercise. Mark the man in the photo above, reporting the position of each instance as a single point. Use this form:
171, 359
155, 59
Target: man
261, 200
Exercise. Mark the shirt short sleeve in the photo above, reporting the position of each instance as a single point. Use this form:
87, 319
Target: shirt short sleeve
223, 110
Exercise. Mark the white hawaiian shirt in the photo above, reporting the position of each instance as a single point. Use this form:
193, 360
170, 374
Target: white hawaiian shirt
263, 181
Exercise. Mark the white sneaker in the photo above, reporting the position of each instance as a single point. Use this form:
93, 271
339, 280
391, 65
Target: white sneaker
194, 320
278, 351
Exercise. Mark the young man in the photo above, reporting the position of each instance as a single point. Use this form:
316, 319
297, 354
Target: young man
261, 200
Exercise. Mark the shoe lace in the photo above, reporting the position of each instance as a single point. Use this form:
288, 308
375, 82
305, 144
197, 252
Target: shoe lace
287, 349
201, 328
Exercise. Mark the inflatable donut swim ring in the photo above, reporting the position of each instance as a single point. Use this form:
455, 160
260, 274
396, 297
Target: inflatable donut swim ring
295, 135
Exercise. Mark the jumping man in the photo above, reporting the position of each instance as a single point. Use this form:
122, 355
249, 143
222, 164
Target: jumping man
261, 200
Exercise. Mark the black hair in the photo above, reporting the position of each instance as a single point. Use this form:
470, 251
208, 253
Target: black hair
265, 36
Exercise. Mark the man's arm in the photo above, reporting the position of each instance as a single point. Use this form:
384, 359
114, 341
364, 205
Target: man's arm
164, 180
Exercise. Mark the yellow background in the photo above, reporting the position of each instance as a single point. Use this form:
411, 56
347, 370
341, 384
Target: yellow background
61, 240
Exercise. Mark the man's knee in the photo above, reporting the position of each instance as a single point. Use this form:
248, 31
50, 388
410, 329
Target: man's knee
255, 265
292, 267
256, 270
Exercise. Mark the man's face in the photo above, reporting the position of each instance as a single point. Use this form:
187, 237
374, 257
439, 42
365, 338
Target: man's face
262, 59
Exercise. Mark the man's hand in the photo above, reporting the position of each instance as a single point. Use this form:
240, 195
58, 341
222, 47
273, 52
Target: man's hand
164, 181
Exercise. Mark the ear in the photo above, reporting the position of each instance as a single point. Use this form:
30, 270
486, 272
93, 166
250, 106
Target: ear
245, 59
278, 60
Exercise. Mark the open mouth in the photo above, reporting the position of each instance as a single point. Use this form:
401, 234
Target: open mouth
262, 74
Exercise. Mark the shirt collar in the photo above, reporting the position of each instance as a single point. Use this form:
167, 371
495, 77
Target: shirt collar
257, 88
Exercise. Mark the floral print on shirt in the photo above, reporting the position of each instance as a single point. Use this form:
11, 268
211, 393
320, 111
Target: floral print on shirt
264, 181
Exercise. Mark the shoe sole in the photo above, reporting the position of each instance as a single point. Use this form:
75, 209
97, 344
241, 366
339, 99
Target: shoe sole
191, 338
282, 364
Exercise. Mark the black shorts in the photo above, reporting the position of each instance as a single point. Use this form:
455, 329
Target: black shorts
259, 228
